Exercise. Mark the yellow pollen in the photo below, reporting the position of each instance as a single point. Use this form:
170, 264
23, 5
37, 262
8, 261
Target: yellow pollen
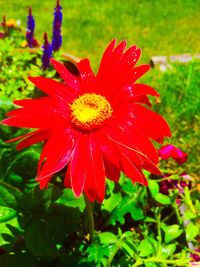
89, 111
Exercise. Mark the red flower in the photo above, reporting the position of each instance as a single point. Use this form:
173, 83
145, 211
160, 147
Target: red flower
170, 151
93, 125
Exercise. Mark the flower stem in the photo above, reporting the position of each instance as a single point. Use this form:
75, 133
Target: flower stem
90, 216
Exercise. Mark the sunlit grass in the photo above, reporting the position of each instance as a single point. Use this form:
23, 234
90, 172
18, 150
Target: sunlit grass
159, 27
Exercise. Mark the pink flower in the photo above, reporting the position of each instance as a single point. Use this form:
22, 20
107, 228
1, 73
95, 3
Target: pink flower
170, 151
194, 256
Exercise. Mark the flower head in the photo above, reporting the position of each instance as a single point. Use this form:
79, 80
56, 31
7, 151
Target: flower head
47, 52
57, 38
30, 30
94, 125
170, 151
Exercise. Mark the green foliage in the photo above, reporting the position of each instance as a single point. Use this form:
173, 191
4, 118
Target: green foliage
15, 66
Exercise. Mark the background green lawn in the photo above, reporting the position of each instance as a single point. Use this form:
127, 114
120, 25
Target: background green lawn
159, 27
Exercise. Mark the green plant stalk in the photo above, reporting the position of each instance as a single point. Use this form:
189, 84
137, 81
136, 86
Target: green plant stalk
158, 218
90, 216
188, 200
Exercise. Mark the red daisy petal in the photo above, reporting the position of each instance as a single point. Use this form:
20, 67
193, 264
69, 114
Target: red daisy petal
70, 79
44, 182
53, 88
111, 172
142, 99
55, 155
95, 178
131, 171
108, 148
78, 165
148, 121
34, 120
136, 73
143, 89
87, 76
20, 137
34, 138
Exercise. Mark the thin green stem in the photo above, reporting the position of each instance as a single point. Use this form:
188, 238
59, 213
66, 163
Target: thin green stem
158, 217
90, 216
172, 177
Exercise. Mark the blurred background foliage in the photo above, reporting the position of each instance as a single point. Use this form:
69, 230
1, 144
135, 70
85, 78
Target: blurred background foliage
159, 27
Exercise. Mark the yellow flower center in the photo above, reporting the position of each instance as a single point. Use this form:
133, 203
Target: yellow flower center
89, 111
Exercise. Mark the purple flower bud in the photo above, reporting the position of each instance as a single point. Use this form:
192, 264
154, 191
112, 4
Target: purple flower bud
57, 38
47, 53
30, 29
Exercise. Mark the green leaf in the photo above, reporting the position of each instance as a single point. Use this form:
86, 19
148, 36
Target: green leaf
39, 200
7, 214
149, 219
20, 258
168, 250
126, 205
38, 240
171, 232
7, 238
12, 190
188, 215
98, 254
192, 231
145, 248
112, 202
153, 187
7, 199
162, 199
128, 244
107, 238
67, 198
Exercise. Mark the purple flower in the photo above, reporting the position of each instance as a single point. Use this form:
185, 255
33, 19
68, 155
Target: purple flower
57, 38
30, 30
171, 184
166, 185
170, 151
47, 53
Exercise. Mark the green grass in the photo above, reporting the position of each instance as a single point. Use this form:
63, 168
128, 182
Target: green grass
179, 103
160, 27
